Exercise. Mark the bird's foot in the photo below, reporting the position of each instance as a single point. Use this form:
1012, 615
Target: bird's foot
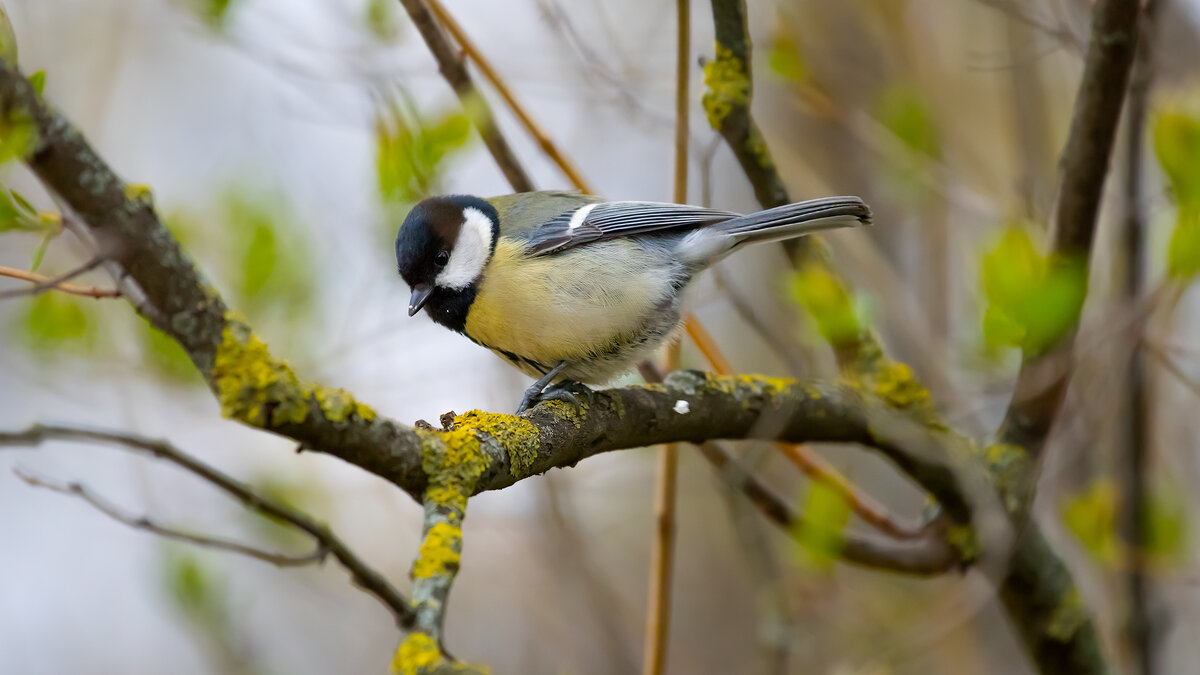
567, 391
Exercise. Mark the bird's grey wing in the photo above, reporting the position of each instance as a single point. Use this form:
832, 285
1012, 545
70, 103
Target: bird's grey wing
608, 220
522, 212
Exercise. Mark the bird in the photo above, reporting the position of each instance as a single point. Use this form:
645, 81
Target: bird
572, 289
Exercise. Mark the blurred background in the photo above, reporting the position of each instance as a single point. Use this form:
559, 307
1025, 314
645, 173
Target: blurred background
285, 139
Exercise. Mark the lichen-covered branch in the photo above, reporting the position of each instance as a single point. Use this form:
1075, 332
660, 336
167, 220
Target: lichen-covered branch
1035, 595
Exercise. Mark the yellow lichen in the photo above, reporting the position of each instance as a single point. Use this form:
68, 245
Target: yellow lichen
728, 86
759, 385
339, 405
138, 192
894, 383
963, 539
441, 551
517, 435
249, 381
1009, 466
453, 460
565, 410
1067, 617
415, 654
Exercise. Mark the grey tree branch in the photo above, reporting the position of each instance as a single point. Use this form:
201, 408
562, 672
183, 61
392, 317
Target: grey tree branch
452, 67
363, 576
77, 489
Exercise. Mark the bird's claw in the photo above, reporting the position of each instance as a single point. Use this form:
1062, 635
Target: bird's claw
567, 391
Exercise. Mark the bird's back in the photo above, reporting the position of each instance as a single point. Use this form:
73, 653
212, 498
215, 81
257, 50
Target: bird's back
523, 212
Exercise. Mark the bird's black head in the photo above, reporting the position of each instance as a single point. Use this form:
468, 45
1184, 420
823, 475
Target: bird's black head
441, 250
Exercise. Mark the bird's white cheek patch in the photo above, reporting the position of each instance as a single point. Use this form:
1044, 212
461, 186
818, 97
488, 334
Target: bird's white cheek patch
470, 252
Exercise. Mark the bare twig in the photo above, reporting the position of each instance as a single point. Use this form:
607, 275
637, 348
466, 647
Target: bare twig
450, 64
1173, 367
44, 282
485, 66
1061, 32
662, 560
1142, 622
41, 283
364, 577
111, 510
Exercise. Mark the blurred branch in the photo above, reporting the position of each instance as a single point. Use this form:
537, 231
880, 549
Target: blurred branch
812, 464
44, 283
1142, 624
1036, 402
543, 139
363, 576
1173, 367
451, 66
662, 557
927, 554
109, 509
1061, 32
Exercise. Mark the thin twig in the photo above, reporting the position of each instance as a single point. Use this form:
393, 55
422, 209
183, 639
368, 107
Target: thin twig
41, 283
450, 64
48, 283
485, 66
363, 576
658, 609
1173, 367
1144, 615
109, 509
1060, 31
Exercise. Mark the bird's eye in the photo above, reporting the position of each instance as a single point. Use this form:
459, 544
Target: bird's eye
442, 258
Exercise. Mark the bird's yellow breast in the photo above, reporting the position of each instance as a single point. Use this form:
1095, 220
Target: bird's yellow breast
568, 306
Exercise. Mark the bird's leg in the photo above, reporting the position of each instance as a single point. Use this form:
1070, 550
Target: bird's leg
569, 391
533, 395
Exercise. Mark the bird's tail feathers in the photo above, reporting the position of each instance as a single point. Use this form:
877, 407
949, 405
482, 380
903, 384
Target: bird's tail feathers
794, 220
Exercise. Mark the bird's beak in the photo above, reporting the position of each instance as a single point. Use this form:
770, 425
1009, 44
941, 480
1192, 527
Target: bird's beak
420, 296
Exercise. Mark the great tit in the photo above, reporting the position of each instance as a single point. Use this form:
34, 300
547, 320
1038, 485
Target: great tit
569, 288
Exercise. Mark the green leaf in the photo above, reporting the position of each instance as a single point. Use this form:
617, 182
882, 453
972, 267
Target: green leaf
785, 60
38, 80
197, 592
1167, 526
10, 213
164, 356
215, 13
272, 259
1177, 146
54, 320
1091, 516
381, 19
409, 155
40, 251
819, 531
1032, 300
828, 302
1183, 251
904, 111
18, 134
8, 39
